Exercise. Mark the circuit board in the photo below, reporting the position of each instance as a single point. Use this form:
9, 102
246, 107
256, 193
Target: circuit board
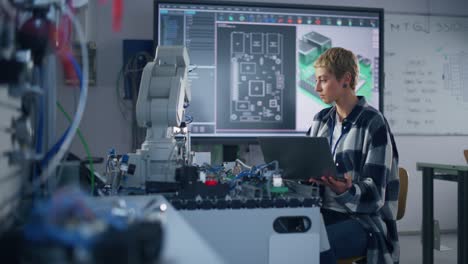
257, 78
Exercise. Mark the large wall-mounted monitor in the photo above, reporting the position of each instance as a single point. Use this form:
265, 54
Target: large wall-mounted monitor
254, 73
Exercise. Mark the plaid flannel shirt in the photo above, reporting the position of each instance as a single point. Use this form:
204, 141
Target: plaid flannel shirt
367, 151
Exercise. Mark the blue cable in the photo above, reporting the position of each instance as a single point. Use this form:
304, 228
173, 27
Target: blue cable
251, 172
77, 69
55, 148
242, 174
188, 119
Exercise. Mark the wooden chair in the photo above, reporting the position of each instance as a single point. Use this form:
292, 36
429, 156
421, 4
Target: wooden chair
401, 207
466, 155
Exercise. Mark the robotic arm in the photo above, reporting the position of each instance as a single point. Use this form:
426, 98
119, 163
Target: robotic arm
163, 92
160, 108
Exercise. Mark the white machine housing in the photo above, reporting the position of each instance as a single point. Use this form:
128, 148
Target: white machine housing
160, 107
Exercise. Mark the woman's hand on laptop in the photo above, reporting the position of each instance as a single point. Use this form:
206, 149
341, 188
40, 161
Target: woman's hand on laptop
337, 186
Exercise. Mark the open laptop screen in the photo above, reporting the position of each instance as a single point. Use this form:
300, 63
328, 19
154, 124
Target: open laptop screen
300, 158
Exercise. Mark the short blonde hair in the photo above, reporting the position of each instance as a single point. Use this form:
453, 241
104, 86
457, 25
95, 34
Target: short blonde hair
339, 61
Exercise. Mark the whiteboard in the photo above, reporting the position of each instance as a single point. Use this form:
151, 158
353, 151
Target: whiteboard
426, 74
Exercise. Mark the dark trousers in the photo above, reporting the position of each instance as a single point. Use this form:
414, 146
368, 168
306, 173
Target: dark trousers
346, 236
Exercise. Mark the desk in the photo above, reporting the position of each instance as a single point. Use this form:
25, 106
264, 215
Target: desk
445, 172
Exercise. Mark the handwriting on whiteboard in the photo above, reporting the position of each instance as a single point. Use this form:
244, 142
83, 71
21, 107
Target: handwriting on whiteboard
428, 27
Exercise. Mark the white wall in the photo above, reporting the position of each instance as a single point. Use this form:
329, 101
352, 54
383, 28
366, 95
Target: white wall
104, 127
